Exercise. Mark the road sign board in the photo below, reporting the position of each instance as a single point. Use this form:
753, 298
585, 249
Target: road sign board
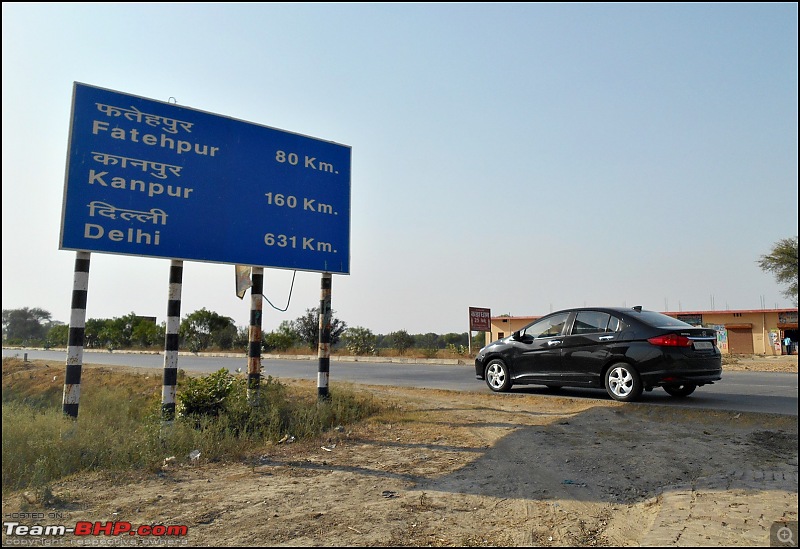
480, 320
156, 179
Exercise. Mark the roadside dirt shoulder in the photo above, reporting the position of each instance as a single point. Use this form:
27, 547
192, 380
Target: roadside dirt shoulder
760, 363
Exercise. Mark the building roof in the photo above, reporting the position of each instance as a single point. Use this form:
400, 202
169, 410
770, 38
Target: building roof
674, 313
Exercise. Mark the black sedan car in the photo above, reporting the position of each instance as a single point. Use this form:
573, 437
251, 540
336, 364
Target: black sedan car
626, 351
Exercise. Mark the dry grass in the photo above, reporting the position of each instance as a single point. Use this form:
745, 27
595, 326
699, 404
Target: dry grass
119, 425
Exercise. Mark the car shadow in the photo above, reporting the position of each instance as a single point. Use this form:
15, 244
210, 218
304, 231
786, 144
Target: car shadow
657, 395
638, 458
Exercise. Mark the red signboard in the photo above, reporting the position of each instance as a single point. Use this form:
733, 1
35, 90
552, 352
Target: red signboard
480, 320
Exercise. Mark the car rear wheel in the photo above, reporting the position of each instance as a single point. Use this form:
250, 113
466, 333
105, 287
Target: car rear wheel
497, 377
623, 382
680, 390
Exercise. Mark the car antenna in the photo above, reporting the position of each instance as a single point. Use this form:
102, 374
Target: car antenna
638, 308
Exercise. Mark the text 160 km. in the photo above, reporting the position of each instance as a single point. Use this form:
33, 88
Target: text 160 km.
303, 243
307, 204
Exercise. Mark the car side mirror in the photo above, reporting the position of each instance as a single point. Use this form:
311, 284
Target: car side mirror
523, 338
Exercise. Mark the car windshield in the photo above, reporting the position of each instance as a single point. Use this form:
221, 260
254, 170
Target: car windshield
659, 320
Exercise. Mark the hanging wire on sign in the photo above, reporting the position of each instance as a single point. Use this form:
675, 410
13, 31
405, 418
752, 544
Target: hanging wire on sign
287, 301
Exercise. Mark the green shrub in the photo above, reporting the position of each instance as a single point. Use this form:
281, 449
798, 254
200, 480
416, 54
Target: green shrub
205, 396
429, 352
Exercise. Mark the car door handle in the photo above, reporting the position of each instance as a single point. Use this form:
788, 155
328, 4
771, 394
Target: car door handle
554, 343
605, 338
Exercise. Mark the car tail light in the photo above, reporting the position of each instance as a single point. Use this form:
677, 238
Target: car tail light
671, 340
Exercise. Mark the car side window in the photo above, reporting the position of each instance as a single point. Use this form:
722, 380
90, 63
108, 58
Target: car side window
591, 322
547, 327
614, 325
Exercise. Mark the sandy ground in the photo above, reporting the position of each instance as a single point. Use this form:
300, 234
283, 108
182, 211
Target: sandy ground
472, 470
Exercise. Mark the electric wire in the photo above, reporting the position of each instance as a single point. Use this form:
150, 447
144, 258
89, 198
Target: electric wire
287, 301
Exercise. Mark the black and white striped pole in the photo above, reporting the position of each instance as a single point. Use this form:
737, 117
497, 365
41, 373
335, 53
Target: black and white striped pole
323, 373
77, 332
254, 348
169, 388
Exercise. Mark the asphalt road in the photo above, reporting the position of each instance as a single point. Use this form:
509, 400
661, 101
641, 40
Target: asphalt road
765, 392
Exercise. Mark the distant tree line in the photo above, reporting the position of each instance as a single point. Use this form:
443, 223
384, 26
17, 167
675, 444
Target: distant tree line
205, 330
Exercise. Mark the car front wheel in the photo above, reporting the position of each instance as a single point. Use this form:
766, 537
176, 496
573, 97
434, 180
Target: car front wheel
623, 382
497, 377
680, 390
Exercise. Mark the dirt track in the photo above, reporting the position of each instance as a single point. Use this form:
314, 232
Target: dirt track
478, 470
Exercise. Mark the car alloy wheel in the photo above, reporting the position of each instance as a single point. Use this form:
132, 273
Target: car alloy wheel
680, 390
623, 383
497, 377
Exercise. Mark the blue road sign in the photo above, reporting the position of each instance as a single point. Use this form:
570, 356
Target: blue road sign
155, 179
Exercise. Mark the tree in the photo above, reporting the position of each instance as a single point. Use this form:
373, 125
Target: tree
281, 339
91, 333
782, 263
148, 334
225, 337
26, 325
428, 341
123, 332
242, 337
478, 340
119, 330
452, 338
401, 340
307, 328
58, 336
111, 337
202, 328
359, 340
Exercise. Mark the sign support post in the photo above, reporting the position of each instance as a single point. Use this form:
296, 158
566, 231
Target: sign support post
254, 348
77, 332
324, 353
169, 387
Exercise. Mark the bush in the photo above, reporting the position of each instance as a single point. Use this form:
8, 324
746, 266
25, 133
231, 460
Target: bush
280, 341
359, 340
429, 352
205, 396
457, 350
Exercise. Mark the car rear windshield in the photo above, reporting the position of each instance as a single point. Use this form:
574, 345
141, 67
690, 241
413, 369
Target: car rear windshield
660, 320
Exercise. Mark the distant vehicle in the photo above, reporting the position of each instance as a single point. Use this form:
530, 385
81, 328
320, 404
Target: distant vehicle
626, 351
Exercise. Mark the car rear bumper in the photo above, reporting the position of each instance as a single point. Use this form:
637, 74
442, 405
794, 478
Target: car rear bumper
681, 377
679, 367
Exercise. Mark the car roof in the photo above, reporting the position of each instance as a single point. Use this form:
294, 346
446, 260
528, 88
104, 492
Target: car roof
628, 310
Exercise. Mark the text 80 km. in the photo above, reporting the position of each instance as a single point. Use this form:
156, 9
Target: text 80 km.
308, 162
303, 243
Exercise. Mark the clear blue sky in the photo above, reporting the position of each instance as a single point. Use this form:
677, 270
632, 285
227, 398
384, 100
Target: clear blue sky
519, 157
